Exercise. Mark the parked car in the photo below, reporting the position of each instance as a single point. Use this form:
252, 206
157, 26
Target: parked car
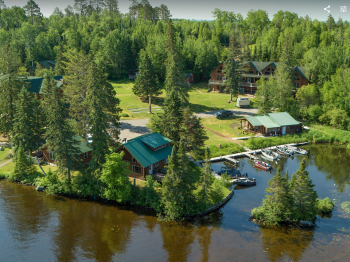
223, 113
243, 102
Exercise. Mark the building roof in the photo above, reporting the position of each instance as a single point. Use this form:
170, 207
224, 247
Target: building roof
84, 146
155, 140
283, 119
273, 120
143, 153
36, 83
188, 75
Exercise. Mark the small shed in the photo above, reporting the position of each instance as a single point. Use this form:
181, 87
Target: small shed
271, 124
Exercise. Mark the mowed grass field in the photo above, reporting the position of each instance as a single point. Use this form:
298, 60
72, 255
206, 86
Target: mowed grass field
199, 99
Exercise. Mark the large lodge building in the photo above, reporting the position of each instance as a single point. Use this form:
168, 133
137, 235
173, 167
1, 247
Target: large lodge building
253, 71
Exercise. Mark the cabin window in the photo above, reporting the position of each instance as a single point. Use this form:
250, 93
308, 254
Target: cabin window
166, 161
296, 77
273, 129
136, 170
269, 71
297, 85
217, 77
278, 129
219, 71
156, 164
251, 71
134, 160
51, 156
86, 155
292, 127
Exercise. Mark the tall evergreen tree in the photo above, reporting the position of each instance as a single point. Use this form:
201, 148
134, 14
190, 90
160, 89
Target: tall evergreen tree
24, 121
233, 66
24, 166
32, 9
146, 83
10, 84
263, 95
112, 6
164, 13
304, 196
59, 66
60, 139
206, 179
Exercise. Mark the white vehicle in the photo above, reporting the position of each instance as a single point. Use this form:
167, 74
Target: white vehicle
243, 102
89, 138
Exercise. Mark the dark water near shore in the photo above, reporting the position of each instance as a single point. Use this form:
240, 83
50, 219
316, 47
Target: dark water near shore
36, 227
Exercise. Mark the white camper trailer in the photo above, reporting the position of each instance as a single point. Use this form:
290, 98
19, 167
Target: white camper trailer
243, 102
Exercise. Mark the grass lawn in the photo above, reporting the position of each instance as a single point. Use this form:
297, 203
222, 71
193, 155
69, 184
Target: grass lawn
3, 138
139, 183
4, 154
137, 108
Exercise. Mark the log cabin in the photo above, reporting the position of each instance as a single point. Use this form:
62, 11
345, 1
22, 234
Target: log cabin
271, 124
146, 154
253, 71
47, 64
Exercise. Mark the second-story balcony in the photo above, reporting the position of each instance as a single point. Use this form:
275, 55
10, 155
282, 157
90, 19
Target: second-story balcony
241, 84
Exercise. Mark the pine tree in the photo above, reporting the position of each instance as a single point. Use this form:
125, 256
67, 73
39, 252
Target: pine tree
146, 83
263, 94
171, 199
193, 134
59, 66
80, 6
39, 123
96, 97
304, 196
112, 6
2, 5
24, 121
233, 66
24, 166
10, 85
32, 9
59, 136
164, 13
206, 179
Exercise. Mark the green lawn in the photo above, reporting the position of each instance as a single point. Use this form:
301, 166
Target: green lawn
137, 108
3, 154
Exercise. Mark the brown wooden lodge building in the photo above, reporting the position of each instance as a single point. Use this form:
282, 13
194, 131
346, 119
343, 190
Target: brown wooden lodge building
253, 71
271, 124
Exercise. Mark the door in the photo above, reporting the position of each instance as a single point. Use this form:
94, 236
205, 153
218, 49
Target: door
150, 170
284, 129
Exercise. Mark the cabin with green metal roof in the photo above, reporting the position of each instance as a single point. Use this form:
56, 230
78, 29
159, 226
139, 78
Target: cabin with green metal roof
271, 124
83, 145
146, 154
252, 72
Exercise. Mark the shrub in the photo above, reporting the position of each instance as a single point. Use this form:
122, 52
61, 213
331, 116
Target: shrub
2, 176
325, 205
124, 115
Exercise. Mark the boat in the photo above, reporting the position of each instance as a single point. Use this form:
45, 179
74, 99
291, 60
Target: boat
285, 150
230, 171
262, 165
269, 154
246, 181
299, 151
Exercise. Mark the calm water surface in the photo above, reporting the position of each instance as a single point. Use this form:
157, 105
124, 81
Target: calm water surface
36, 227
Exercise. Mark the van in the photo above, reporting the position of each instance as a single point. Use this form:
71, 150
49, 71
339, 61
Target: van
243, 102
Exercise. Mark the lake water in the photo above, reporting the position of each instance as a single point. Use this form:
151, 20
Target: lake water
36, 227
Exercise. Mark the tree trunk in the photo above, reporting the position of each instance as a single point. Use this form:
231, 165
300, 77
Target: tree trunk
150, 103
231, 97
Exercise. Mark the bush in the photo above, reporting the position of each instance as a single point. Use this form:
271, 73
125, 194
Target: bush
325, 205
124, 115
2, 176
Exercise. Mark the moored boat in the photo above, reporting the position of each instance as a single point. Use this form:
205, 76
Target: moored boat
268, 154
284, 150
299, 151
262, 165
246, 181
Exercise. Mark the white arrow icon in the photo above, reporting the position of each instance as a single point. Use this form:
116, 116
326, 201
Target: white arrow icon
326, 9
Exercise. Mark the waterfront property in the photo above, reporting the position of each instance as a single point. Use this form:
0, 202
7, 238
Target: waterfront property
83, 146
253, 71
146, 154
271, 124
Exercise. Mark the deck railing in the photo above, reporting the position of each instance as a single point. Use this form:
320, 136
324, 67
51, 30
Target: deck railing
242, 84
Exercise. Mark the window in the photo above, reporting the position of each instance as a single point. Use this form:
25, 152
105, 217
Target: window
278, 129
292, 127
51, 157
86, 155
136, 170
251, 71
269, 71
296, 77
134, 160
297, 85
273, 129
157, 164
219, 71
166, 161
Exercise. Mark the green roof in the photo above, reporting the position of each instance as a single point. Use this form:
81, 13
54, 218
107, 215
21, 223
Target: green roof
155, 140
83, 146
283, 119
273, 120
143, 153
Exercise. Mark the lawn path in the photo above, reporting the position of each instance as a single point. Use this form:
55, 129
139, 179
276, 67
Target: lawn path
5, 163
216, 133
